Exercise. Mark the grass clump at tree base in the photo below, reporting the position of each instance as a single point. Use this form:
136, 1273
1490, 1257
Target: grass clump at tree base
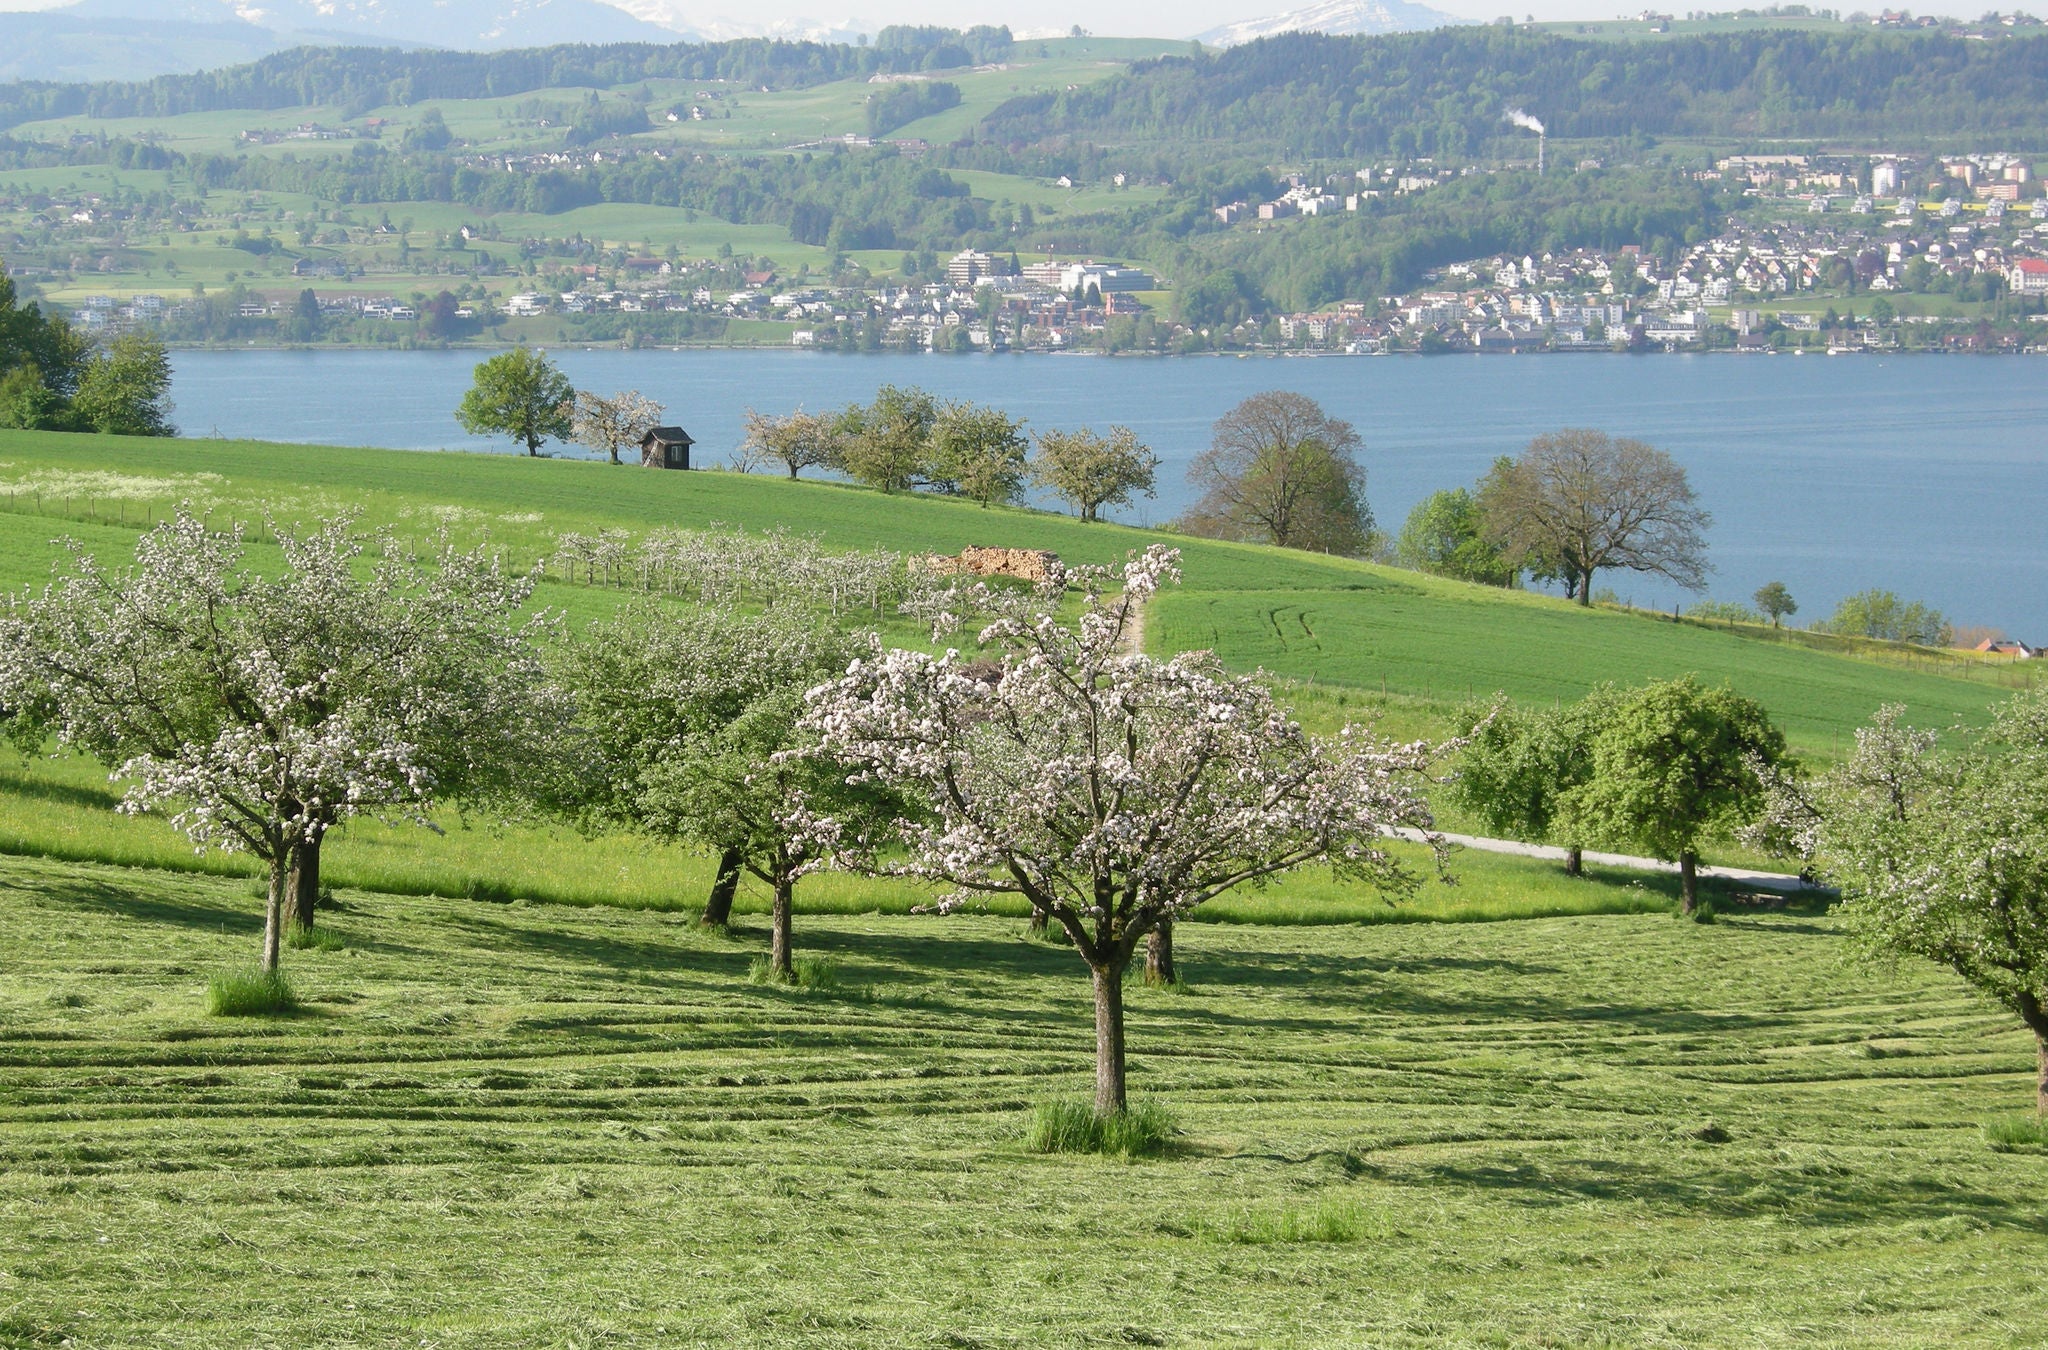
806, 972
302, 939
250, 993
1146, 1130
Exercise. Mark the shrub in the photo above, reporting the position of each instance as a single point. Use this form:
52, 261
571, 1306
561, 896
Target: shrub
312, 939
1143, 1131
1723, 611
250, 994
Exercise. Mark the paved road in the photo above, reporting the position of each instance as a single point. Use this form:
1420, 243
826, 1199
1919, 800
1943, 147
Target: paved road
1763, 881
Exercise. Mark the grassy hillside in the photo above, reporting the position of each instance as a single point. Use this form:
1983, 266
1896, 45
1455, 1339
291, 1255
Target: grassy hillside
1346, 640
533, 1127
1331, 621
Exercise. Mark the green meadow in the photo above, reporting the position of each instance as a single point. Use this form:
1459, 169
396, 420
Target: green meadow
1342, 640
528, 1125
1327, 623
523, 1099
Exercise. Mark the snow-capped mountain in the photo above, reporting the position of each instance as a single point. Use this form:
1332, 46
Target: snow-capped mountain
1336, 17
680, 17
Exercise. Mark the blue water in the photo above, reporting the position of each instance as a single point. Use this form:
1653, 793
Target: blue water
1927, 475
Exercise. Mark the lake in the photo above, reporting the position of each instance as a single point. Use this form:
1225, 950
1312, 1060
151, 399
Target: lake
1927, 475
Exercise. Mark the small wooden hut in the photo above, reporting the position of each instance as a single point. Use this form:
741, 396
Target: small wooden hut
666, 448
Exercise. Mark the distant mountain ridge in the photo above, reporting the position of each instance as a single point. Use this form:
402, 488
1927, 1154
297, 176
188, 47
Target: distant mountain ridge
1338, 18
139, 39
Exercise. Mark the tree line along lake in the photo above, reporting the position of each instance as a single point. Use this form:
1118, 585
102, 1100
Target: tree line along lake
1925, 475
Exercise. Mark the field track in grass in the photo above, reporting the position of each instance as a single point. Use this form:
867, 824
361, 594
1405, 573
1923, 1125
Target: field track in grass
529, 1125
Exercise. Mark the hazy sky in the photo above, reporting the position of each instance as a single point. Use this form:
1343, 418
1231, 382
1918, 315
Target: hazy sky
1149, 18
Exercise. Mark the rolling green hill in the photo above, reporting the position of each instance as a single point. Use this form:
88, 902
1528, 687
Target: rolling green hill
1332, 622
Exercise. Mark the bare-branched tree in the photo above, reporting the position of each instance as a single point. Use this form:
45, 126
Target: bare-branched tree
1577, 502
1280, 470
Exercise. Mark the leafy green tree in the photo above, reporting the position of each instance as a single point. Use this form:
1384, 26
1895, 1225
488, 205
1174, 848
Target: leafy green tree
125, 389
1444, 535
1091, 471
520, 394
28, 404
888, 443
980, 451
1673, 765
1775, 602
1882, 615
1280, 470
44, 343
1521, 764
1941, 853
307, 321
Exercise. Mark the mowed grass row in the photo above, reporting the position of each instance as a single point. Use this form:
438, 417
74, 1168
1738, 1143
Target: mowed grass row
1330, 621
529, 1125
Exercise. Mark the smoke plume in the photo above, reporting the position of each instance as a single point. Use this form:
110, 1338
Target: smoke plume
1524, 121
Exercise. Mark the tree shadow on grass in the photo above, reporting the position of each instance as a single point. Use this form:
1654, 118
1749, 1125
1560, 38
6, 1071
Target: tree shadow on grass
16, 783
1734, 1190
611, 955
85, 891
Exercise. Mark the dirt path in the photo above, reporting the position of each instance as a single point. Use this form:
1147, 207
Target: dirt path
1763, 881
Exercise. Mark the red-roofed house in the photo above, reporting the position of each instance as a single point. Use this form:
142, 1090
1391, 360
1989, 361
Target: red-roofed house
2029, 276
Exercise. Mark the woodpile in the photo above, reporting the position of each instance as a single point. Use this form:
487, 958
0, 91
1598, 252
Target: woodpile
1027, 564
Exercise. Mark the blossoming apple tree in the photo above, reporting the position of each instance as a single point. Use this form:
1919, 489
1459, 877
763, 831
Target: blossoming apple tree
263, 707
1113, 791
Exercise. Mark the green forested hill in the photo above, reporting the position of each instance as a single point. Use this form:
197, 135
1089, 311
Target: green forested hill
1443, 93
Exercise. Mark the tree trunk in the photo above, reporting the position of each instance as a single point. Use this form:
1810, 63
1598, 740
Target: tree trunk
1575, 861
1159, 954
1039, 920
718, 909
778, 943
1688, 881
273, 915
2036, 1018
2041, 1073
1109, 1040
304, 882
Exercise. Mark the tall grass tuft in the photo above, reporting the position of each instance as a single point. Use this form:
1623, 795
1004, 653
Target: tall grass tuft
1332, 1220
250, 993
1144, 1131
810, 972
303, 939
2017, 1134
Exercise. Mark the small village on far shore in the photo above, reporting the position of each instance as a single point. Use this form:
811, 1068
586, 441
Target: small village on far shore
1849, 252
